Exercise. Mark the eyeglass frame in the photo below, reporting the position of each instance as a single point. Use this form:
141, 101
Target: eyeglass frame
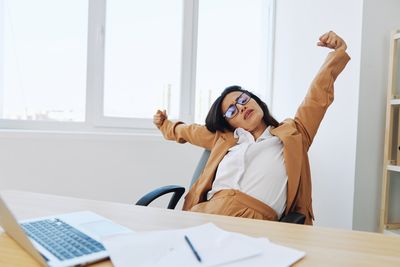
235, 105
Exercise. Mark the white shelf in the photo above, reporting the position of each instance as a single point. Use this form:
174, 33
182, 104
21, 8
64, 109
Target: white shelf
393, 168
395, 102
396, 36
395, 232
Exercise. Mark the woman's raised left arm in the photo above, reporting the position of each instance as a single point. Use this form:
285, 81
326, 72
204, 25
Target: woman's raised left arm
321, 92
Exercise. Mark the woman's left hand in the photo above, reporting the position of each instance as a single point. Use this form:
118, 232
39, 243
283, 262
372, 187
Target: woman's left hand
333, 41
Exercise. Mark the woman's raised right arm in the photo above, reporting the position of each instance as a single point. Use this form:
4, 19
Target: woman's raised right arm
195, 134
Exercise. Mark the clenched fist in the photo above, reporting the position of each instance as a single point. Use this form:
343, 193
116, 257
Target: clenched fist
159, 118
333, 41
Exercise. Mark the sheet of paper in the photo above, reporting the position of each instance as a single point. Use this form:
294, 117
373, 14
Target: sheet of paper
216, 247
273, 255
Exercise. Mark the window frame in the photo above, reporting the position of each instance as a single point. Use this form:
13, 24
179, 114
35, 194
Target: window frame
95, 121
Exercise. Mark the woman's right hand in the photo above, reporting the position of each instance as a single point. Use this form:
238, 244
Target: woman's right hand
332, 41
159, 118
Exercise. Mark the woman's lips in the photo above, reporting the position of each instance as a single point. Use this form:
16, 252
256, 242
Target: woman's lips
248, 113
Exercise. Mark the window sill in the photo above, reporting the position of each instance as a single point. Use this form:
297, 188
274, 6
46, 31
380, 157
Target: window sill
96, 134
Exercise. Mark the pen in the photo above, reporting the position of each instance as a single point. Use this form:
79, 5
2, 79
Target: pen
192, 248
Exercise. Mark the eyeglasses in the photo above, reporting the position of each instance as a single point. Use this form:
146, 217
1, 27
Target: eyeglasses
232, 110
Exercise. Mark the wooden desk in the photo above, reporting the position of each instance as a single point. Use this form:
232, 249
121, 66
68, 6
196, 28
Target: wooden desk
323, 246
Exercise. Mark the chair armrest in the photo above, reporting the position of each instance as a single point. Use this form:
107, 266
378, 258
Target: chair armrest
294, 217
149, 197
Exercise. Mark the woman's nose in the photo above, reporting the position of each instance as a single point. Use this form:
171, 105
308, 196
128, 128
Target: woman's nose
242, 109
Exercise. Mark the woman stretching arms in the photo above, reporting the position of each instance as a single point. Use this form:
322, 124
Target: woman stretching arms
258, 168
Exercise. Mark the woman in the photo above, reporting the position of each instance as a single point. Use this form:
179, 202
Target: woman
258, 168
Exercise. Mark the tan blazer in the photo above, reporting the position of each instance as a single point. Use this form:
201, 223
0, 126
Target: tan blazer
296, 134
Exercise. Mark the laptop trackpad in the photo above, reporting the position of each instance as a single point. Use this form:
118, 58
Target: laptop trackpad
104, 228
94, 224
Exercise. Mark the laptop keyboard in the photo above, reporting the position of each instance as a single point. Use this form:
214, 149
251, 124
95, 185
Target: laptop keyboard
62, 240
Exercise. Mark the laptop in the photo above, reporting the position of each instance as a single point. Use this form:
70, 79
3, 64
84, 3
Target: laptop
63, 240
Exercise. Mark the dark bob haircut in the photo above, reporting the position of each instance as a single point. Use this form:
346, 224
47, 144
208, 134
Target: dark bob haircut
215, 120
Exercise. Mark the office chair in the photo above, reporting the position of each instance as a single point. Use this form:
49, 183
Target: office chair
291, 217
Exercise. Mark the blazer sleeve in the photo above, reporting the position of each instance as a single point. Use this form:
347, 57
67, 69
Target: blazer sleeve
319, 96
195, 134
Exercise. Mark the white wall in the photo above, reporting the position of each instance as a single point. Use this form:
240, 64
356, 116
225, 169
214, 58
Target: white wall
297, 59
379, 19
105, 167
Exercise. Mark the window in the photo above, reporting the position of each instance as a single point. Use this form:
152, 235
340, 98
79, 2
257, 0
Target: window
142, 57
232, 49
109, 65
43, 64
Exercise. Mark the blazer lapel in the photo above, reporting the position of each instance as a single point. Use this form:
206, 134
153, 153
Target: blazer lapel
292, 153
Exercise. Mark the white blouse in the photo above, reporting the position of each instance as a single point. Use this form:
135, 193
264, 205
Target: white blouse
256, 168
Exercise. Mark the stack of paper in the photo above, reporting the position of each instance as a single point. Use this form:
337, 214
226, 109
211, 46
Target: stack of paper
213, 245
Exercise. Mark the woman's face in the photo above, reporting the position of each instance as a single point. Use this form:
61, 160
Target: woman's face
248, 116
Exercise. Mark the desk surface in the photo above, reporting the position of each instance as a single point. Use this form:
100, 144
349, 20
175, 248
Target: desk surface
323, 246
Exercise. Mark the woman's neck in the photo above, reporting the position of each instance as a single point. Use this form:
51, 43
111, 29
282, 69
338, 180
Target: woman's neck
257, 132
